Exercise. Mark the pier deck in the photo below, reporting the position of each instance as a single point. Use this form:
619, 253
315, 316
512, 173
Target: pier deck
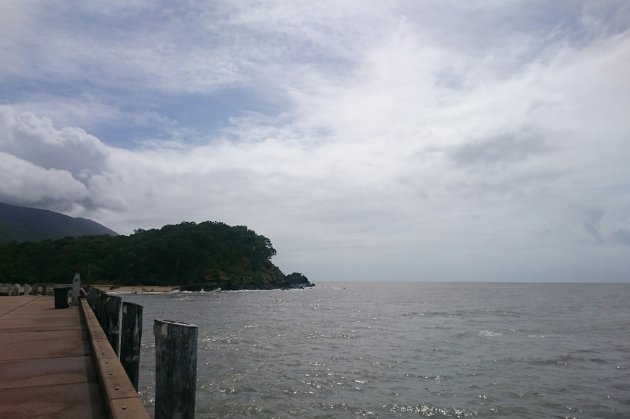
47, 369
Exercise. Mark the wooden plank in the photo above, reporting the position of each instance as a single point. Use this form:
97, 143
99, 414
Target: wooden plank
50, 367
44, 372
77, 400
46, 365
55, 348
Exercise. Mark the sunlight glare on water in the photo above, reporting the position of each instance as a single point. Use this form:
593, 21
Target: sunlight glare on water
405, 350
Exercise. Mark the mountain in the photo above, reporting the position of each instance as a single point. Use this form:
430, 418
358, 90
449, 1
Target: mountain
31, 224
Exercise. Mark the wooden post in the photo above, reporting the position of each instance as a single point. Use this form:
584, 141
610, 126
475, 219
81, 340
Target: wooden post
100, 310
90, 297
94, 292
130, 342
175, 369
97, 308
113, 317
94, 298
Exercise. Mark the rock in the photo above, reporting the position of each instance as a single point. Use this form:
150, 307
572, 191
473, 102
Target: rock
297, 280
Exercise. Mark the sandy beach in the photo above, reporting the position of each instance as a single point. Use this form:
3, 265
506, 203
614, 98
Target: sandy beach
135, 289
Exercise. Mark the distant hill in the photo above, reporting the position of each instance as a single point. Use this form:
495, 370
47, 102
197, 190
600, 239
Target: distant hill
30, 224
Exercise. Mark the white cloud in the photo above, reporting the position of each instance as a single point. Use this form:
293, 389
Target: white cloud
427, 141
84, 111
18, 33
26, 183
55, 168
36, 140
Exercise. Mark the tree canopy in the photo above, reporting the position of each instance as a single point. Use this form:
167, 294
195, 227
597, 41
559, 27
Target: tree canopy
207, 254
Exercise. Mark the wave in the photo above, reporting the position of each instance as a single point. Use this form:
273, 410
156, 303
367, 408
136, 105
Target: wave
489, 333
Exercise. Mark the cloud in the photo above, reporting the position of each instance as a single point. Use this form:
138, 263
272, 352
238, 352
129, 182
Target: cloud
36, 140
46, 166
592, 223
28, 184
505, 148
623, 236
457, 140
83, 111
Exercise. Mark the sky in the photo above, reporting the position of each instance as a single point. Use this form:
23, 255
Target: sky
368, 140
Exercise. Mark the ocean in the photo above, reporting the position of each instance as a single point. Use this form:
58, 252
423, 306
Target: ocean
404, 350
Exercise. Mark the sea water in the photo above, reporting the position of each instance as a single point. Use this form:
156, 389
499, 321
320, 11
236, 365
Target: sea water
404, 350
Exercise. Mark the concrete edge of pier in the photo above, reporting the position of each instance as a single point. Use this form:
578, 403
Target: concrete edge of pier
121, 399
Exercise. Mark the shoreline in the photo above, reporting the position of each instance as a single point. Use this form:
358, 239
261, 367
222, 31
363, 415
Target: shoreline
165, 289
136, 289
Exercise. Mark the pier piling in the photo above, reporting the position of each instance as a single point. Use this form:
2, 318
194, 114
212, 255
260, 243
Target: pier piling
175, 369
113, 310
131, 339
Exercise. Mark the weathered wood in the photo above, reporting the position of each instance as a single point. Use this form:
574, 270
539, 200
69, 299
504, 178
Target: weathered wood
121, 399
175, 369
113, 317
90, 297
47, 369
130, 342
97, 306
93, 294
101, 301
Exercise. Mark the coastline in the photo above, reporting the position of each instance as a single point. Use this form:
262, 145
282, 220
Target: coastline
136, 289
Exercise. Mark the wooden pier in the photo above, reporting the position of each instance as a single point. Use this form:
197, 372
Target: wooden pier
58, 364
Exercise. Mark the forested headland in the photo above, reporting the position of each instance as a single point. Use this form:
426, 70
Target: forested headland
206, 255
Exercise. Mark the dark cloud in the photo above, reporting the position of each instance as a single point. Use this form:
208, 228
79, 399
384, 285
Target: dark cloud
592, 223
504, 148
623, 236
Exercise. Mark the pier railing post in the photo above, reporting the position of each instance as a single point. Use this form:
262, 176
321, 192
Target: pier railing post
90, 298
101, 302
130, 342
175, 369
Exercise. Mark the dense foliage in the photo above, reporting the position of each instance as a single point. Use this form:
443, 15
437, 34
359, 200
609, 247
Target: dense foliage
208, 254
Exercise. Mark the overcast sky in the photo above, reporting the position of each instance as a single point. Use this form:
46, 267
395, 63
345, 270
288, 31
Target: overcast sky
369, 140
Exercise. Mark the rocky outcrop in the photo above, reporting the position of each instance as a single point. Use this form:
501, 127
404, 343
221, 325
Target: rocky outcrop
298, 280
269, 280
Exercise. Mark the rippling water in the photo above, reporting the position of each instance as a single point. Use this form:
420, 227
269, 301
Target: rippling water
405, 350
